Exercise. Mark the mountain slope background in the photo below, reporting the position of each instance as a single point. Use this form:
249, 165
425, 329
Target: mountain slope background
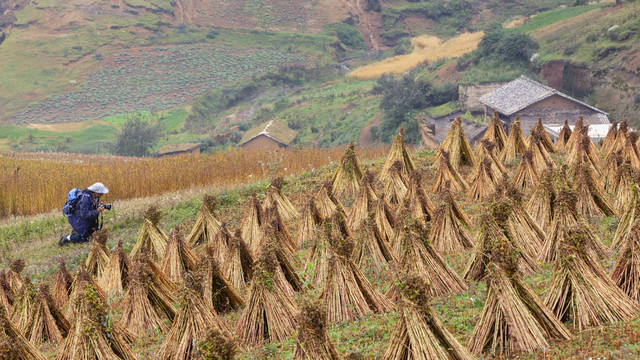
74, 71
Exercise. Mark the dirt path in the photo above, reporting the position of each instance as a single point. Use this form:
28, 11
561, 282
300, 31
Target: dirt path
365, 138
366, 21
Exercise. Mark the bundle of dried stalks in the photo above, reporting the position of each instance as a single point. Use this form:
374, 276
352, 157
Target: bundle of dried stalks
312, 340
625, 272
418, 332
14, 279
13, 344
516, 143
396, 184
364, 201
575, 134
540, 206
270, 311
610, 168
419, 204
275, 227
398, 151
252, 224
513, 319
448, 175
485, 183
285, 259
448, 234
221, 241
218, 291
178, 258
195, 317
494, 134
348, 293
541, 158
115, 278
385, 219
145, 304
346, 179
526, 175
629, 217
216, 346
62, 285
6, 296
372, 251
630, 150
326, 201
46, 321
276, 198
580, 291
417, 255
207, 225
24, 301
151, 236
93, 335
308, 227
457, 146
621, 136
565, 216
609, 140
584, 151
590, 195
487, 149
494, 245
318, 258
238, 265
545, 140
82, 281
563, 137
99, 256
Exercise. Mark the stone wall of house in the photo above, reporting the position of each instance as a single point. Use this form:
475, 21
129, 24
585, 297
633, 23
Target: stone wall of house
469, 94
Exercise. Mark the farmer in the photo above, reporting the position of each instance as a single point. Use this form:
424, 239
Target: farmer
85, 217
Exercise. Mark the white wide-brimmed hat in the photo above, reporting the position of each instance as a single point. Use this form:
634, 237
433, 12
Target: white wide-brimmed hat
98, 188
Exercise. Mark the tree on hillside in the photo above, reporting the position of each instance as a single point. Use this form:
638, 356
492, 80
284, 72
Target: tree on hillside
136, 137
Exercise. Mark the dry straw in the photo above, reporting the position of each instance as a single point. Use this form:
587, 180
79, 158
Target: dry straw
80, 283
609, 140
526, 175
487, 149
628, 219
448, 177
625, 272
372, 251
584, 151
590, 195
610, 168
99, 256
218, 291
625, 180
580, 291
448, 234
115, 278
385, 219
485, 184
194, 319
621, 136
151, 236
516, 143
364, 201
207, 225
539, 131
178, 258
346, 179
539, 153
14, 279
308, 227
276, 198
563, 137
396, 184
13, 344
457, 146
6, 297
398, 152
494, 134
575, 135
252, 224
318, 259
238, 265
275, 227
326, 201
312, 340
46, 322
62, 285
540, 205
630, 151
286, 271
23, 304
417, 200
418, 332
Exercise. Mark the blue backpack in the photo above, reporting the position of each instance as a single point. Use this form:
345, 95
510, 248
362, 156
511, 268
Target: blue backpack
72, 199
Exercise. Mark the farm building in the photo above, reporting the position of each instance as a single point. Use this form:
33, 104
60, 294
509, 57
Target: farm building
179, 149
531, 100
596, 132
269, 135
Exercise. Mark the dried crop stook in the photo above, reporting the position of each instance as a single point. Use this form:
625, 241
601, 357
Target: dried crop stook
448, 177
448, 234
526, 175
539, 131
252, 224
62, 285
286, 270
610, 167
485, 184
92, 334
621, 137
275, 227
516, 143
385, 219
563, 137
82, 281
396, 184
270, 311
540, 205
625, 272
24, 302
630, 150
417, 255
6, 296
195, 317
326, 201
207, 225
178, 258
398, 152
318, 258
347, 292
238, 265
565, 216
576, 135
46, 322
418, 332
14, 279
628, 219
308, 227
346, 179
584, 151
151, 236
218, 291
99, 257
609, 140
276, 198
312, 340
539, 153
364, 201
494, 134
487, 149
115, 278
590, 195
417, 200
580, 291
372, 251
146, 305
13, 344
457, 146
625, 180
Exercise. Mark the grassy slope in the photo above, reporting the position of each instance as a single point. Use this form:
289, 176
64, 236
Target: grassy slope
34, 239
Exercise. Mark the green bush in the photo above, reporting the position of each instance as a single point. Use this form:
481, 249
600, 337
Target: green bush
349, 35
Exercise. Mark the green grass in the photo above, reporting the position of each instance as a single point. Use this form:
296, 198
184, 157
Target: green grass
443, 109
552, 17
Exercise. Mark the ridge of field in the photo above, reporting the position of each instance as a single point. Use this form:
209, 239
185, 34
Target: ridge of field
34, 238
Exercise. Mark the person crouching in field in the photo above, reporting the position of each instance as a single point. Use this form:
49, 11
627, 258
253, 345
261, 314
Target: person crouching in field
84, 219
